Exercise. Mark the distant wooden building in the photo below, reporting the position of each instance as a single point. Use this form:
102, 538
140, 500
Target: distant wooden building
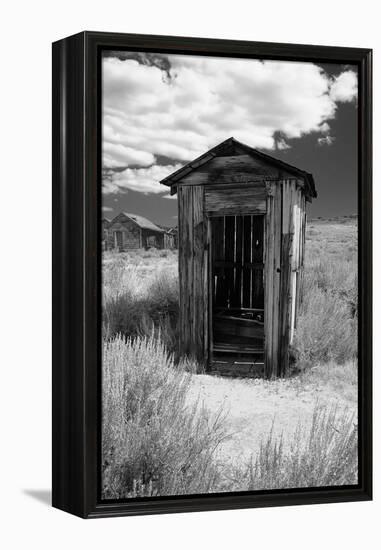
174, 234
105, 227
170, 237
129, 231
242, 220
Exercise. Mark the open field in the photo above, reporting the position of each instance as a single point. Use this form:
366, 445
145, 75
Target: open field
240, 433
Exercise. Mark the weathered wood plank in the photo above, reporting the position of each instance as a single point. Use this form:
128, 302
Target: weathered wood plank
246, 271
257, 182
294, 259
286, 283
189, 251
229, 257
236, 200
298, 260
276, 300
238, 211
303, 244
237, 299
198, 273
209, 289
269, 280
257, 258
218, 252
192, 272
238, 327
232, 264
183, 267
237, 168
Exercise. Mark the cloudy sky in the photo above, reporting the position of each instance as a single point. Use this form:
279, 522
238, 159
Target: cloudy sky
161, 111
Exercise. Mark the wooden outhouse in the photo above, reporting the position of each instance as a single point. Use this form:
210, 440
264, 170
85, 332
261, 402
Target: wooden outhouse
241, 223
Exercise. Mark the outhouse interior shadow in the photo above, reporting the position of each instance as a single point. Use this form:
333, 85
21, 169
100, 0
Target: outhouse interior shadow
238, 291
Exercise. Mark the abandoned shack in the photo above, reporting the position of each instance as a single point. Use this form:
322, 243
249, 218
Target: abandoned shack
242, 222
170, 237
129, 231
172, 231
105, 227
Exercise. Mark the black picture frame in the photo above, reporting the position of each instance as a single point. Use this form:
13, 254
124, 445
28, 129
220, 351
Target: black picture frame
76, 273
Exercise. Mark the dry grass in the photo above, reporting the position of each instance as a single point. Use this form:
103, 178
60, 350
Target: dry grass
327, 322
325, 454
140, 295
339, 381
153, 442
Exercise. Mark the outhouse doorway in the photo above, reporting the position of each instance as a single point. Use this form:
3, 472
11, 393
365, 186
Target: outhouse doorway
237, 271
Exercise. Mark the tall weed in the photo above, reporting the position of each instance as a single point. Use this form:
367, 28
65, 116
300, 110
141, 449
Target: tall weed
327, 320
153, 443
326, 455
142, 306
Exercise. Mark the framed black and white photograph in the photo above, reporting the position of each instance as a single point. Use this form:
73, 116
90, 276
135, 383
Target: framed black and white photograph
212, 274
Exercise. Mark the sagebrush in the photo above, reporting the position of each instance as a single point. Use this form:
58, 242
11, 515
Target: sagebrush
137, 302
153, 443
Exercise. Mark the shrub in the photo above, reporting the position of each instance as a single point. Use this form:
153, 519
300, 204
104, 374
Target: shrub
143, 306
326, 330
151, 252
327, 320
153, 443
324, 456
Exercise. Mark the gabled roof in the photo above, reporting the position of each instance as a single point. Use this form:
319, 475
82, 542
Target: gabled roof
231, 142
143, 222
167, 229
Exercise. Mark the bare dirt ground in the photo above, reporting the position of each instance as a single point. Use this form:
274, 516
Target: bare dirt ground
253, 406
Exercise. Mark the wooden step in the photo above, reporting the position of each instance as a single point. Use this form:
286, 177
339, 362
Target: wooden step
233, 348
238, 369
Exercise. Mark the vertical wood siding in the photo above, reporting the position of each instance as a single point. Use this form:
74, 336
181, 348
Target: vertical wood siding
286, 277
272, 278
192, 276
284, 250
234, 248
128, 235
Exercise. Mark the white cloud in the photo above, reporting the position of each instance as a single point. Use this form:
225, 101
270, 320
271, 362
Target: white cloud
282, 144
145, 180
168, 196
326, 140
206, 101
344, 87
107, 209
115, 155
324, 128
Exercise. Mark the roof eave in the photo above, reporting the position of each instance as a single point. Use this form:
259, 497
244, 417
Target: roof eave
173, 178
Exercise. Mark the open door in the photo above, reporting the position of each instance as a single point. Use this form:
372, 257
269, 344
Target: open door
237, 270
